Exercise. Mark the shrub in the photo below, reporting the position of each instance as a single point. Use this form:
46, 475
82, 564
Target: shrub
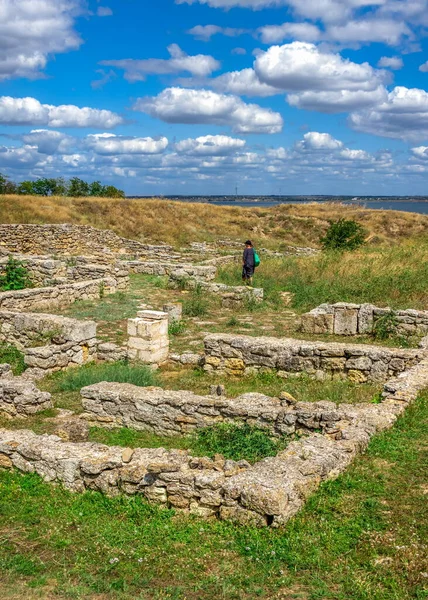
120, 372
237, 442
232, 322
15, 276
343, 235
13, 357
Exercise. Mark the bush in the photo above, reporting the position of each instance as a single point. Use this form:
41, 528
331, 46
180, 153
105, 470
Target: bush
385, 327
176, 328
119, 372
236, 442
343, 235
15, 276
13, 357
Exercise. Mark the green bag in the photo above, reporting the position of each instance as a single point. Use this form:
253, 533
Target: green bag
256, 259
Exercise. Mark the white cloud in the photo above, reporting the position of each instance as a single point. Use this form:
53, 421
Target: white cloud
29, 111
424, 67
385, 31
337, 101
302, 66
177, 105
206, 32
33, 30
46, 141
199, 65
239, 51
104, 11
420, 152
107, 143
391, 62
313, 140
403, 115
242, 83
306, 32
210, 145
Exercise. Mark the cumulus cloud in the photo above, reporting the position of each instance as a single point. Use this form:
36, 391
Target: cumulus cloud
178, 105
420, 152
242, 83
206, 32
31, 31
199, 65
424, 67
210, 145
29, 111
239, 51
385, 31
403, 115
107, 143
302, 66
337, 101
47, 141
391, 62
305, 32
313, 140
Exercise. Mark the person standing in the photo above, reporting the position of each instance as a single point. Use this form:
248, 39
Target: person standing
249, 263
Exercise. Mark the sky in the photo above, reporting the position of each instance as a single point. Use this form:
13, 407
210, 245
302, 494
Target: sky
162, 97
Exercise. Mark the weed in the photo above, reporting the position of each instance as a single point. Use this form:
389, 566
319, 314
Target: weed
15, 276
232, 322
195, 305
102, 290
176, 327
14, 357
385, 327
120, 372
237, 442
45, 338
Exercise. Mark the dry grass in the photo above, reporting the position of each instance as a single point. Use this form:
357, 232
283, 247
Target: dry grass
179, 223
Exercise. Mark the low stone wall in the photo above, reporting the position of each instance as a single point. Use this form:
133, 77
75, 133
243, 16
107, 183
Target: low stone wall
238, 355
176, 270
267, 493
41, 270
352, 319
57, 296
236, 294
70, 239
49, 342
116, 271
20, 398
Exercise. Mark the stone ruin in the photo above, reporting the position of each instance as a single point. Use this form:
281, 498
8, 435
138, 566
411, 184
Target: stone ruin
267, 493
344, 318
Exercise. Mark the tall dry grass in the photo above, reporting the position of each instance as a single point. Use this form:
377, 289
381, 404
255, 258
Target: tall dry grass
179, 223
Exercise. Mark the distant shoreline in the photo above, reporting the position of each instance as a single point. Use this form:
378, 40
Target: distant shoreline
287, 199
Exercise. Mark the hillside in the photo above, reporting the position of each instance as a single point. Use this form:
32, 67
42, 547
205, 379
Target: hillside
180, 223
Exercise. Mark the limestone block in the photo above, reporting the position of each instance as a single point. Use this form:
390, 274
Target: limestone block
174, 311
346, 321
365, 319
314, 323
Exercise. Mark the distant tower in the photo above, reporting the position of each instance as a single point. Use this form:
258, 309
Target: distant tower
236, 190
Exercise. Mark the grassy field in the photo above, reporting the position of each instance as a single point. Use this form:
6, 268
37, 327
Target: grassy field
179, 223
361, 537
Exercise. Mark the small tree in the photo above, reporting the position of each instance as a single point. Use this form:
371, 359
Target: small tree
6, 186
343, 235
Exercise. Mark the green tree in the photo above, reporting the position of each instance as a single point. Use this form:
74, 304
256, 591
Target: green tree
7, 186
96, 189
78, 188
112, 192
343, 235
26, 188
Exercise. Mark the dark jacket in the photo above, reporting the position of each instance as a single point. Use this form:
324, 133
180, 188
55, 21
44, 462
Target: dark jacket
249, 257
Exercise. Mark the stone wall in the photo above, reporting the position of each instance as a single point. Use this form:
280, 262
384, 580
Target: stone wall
70, 239
20, 398
238, 355
42, 270
352, 319
49, 342
177, 270
267, 493
57, 296
237, 294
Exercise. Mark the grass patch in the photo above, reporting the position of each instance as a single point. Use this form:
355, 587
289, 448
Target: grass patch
13, 357
120, 372
361, 537
237, 442
395, 276
195, 305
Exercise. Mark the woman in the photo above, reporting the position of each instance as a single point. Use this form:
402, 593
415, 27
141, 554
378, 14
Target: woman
249, 263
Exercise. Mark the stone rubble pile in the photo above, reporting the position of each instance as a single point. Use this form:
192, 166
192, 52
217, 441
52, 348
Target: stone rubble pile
20, 397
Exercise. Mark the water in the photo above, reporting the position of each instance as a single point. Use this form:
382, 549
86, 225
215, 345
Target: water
416, 206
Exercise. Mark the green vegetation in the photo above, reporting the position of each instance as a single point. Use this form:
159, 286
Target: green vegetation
395, 276
59, 187
13, 357
14, 276
195, 305
361, 537
237, 442
176, 327
120, 372
343, 235
385, 327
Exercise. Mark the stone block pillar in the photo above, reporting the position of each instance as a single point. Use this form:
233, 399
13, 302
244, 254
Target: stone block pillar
175, 311
148, 337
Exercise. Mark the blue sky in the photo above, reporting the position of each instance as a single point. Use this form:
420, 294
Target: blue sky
198, 96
